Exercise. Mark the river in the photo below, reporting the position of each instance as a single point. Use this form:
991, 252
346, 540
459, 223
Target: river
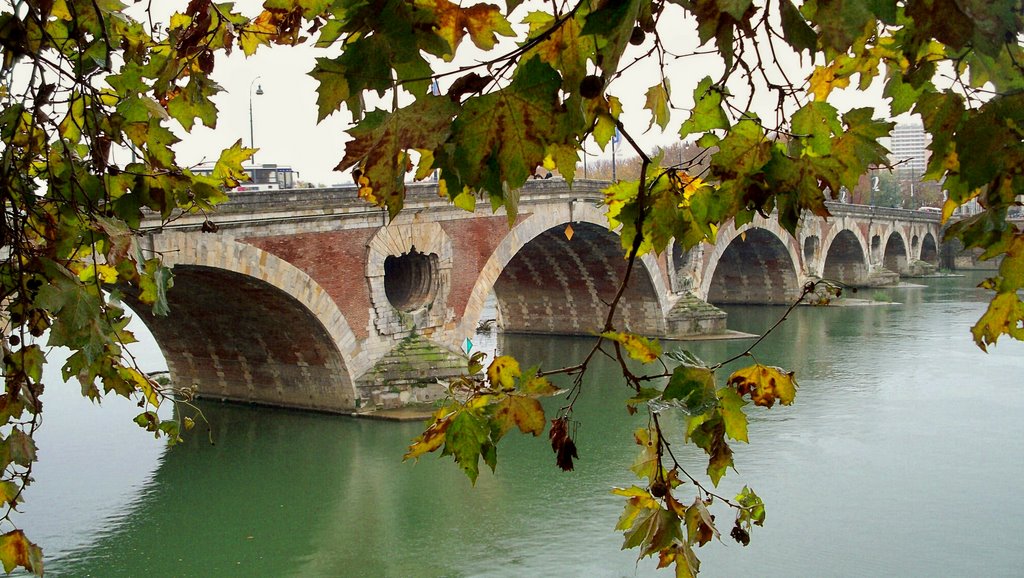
902, 456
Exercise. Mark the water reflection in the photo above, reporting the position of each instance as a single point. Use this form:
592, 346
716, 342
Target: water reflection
900, 457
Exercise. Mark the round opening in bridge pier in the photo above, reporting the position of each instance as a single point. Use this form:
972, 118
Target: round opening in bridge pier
410, 280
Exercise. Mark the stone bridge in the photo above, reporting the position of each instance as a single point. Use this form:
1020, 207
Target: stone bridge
311, 299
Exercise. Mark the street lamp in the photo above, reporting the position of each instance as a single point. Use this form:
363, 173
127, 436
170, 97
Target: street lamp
259, 91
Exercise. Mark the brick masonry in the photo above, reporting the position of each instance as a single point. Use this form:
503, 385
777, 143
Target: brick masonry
288, 303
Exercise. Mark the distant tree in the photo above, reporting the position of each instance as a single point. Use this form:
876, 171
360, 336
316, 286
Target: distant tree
81, 79
886, 191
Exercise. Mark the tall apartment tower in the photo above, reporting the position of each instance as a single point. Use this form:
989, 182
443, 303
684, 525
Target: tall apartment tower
908, 146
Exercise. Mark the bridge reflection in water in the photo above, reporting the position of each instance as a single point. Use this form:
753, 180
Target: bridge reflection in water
311, 299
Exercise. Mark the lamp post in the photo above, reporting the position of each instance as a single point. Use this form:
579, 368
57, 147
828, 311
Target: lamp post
259, 91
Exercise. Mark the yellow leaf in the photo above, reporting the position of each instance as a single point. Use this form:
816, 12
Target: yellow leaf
432, 438
525, 413
765, 384
639, 348
1005, 314
504, 371
16, 550
9, 492
824, 79
143, 384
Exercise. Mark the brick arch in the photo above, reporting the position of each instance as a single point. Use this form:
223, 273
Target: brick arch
845, 256
896, 253
757, 263
929, 249
546, 224
255, 328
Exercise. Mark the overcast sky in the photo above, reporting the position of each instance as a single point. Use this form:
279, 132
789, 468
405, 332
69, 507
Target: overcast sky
284, 116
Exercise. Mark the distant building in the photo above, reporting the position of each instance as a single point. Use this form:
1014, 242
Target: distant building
908, 146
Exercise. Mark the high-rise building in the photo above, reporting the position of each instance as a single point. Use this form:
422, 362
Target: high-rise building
908, 146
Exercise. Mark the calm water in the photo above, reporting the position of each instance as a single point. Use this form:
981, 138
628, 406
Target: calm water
902, 456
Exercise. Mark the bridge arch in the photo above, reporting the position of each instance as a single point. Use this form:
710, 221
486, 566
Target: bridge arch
248, 326
559, 285
896, 256
758, 263
846, 257
929, 249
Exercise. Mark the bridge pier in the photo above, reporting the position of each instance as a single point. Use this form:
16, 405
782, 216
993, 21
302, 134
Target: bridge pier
312, 299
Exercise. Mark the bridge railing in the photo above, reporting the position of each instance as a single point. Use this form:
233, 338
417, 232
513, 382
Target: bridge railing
345, 200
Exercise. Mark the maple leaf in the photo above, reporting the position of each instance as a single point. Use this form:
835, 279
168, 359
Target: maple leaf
519, 411
707, 113
638, 347
658, 103
764, 384
731, 407
561, 48
503, 136
433, 437
700, 524
503, 372
483, 22
381, 143
708, 433
16, 550
693, 388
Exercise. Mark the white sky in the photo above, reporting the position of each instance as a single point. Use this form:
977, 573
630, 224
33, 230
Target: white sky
284, 116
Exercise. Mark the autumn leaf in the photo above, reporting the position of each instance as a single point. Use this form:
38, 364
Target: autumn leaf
503, 372
433, 437
700, 524
764, 384
16, 550
381, 143
658, 104
638, 347
526, 413
483, 22
708, 433
730, 405
1005, 315
503, 136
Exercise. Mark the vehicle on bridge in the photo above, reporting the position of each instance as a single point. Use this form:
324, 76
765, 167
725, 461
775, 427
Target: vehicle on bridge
266, 177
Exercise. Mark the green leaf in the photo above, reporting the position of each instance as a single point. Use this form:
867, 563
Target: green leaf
707, 113
154, 283
795, 29
466, 440
815, 123
76, 309
502, 137
381, 144
658, 104
731, 407
693, 387
752, 508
